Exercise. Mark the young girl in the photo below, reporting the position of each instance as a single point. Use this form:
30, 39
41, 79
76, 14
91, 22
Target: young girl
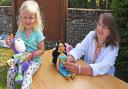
59, 57
30, 30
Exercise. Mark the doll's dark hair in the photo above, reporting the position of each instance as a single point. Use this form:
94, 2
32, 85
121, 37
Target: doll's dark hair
55, 52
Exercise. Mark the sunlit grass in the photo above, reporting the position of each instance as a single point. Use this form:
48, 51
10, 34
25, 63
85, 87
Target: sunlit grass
5, 54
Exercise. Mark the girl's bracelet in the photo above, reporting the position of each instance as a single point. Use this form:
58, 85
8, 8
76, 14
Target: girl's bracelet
79, 69
32, 55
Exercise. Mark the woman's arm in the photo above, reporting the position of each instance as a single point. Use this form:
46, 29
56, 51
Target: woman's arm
106, 63
79, 69
85, 69
81, 48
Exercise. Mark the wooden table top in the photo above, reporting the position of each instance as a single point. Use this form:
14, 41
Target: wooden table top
48, 78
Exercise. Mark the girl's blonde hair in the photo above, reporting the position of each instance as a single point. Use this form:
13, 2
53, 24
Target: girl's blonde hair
32, 7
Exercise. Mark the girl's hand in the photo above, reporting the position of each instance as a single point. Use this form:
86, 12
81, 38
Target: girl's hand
9, 41
70, 59
72, 67
28, 56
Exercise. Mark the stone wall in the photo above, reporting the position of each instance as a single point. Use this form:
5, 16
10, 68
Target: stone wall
5, 19
80, 22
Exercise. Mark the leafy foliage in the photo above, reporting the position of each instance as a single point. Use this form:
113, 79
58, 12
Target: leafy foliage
120, 11
5, 2
95, 4
5, 54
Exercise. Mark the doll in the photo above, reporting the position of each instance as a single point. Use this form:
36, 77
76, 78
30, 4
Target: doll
18, 58
61, 57
55, 52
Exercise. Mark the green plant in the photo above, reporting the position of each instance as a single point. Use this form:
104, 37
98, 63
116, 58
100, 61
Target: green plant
101, 4
5, 54
120, 11
5, 2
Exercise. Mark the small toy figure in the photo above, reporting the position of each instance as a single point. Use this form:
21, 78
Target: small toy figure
18, 58
60, 55
68, 47
55, 53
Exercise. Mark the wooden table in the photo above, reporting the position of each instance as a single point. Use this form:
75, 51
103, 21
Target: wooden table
48, 78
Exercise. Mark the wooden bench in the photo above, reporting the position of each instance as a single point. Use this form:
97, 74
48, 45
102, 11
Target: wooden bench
48, 78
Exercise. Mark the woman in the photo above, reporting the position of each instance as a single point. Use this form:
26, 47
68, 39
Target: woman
100, 48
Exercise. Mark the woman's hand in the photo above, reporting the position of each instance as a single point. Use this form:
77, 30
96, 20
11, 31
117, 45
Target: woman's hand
72, 67
70, 58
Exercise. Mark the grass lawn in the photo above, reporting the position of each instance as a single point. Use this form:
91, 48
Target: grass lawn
5, 54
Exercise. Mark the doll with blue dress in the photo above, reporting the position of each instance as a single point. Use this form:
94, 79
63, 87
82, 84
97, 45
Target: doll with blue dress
60, 55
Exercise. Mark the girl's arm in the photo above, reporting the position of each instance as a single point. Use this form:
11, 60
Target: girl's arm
39, 52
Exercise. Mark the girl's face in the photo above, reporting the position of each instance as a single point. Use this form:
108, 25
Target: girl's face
61, 47
102, 31
28, 19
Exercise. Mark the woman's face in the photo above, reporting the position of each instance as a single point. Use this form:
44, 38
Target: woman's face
102, 31
28, 19
61, 47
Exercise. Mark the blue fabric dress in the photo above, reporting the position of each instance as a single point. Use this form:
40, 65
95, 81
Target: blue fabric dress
62, 69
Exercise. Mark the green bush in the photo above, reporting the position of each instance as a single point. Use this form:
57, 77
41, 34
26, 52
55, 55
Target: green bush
95, 4
5, 54
5, 2
120, 11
